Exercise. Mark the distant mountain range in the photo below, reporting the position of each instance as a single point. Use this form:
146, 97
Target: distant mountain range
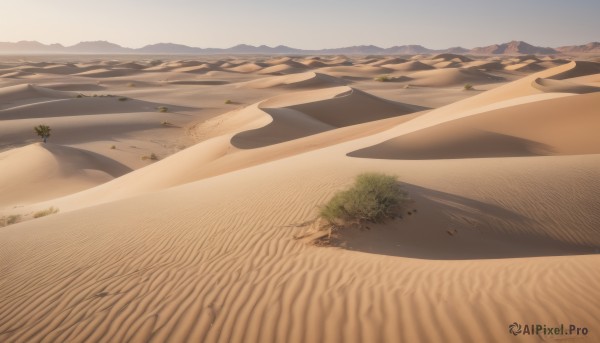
103, 47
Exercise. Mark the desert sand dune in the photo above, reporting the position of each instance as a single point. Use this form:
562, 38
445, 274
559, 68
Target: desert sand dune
29, 93
447, 64
79, 106
202, 245
408, 66
451, 77
577, 69
198, 82
248, 67
569, 125
198, 69
562, 86
16, 74
104, 72
452, 57
484, 65
39, 172
287, 61
73, 87
281, 69
148, 266
525, 66
357, 72
269, 123
386, 61
300, 80
311, 63
308, 118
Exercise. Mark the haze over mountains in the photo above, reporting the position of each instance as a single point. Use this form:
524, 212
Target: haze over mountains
104, 47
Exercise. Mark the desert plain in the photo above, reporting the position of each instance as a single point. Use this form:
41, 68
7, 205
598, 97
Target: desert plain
175, 198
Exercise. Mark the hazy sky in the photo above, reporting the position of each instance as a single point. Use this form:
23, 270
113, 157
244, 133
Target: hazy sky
309, 24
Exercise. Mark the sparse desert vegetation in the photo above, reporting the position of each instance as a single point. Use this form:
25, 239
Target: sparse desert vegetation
43, 131
46, 212
10, 219
163, 109
383, 78
373, 198
151, 156
123, 98
468, 87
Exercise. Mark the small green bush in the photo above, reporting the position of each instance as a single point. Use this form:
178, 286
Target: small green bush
468, 87
79, 95
43, 131
123, 99
374, 197
383, 78
45, 212
112, 147
228, 102
163, 109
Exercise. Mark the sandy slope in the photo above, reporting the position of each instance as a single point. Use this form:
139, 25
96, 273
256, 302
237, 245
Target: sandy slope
40, 172
300, 80
561, 126
450, 77
200, 246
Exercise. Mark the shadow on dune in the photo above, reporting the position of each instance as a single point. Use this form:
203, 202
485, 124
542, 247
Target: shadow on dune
349, 107
451, 227
468, 144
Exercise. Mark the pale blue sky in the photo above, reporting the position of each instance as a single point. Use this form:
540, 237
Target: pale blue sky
307, 24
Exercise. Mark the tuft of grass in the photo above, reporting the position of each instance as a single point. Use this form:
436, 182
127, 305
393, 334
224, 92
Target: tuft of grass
10, 219
468, 87
112, 147
152, 157
123, 98
79, 96
384, 78
228, 102
46, 212
373, 198
163, 109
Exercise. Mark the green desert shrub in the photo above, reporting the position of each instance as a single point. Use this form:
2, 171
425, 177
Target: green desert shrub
374, 197
468, 87
163, 109
383, 78
43, 131
228, 102
46, 212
